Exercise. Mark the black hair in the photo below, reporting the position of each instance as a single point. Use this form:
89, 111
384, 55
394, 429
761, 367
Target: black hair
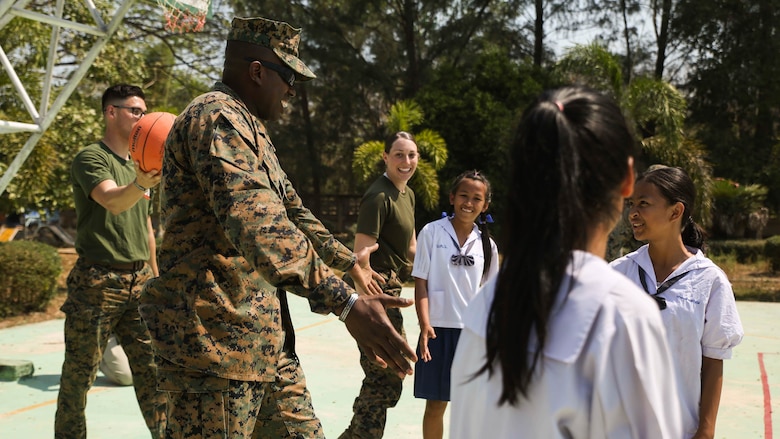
120, 92
570, 155
395, 136
676, 186
482, 221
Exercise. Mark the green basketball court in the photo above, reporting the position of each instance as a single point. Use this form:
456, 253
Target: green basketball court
751, 391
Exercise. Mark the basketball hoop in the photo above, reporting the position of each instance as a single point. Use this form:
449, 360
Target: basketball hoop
184, 16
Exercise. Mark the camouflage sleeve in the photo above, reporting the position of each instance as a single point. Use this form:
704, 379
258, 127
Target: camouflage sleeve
330, 249
244, 186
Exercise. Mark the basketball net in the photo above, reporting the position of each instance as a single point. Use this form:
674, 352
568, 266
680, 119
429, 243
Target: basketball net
183, 16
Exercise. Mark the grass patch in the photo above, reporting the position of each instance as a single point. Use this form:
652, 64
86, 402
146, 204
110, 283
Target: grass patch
753, 281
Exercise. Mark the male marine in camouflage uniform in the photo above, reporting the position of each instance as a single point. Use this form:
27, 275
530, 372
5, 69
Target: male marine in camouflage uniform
114, 241
237, 236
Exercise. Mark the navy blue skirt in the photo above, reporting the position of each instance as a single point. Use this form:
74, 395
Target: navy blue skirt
432, 379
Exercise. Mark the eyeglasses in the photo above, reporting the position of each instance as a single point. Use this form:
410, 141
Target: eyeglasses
287, 74
135, 111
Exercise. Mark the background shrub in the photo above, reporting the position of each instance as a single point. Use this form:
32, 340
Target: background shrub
28, 276
733, 205
772, 252
745, 250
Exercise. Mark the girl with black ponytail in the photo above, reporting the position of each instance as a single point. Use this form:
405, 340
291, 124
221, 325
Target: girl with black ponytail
454, 257
559, 345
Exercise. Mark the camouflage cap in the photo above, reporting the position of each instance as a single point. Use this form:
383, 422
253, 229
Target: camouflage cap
278, 36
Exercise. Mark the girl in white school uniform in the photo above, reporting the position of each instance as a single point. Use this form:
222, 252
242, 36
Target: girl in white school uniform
455, 255
694, 296
558, 344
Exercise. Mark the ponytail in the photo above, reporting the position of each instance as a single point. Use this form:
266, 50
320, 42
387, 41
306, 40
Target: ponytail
487, 250
692, 234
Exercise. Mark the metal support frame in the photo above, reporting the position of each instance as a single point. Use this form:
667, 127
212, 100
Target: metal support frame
44, 115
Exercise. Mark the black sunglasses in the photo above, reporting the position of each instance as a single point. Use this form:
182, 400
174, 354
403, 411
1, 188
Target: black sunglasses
287, 74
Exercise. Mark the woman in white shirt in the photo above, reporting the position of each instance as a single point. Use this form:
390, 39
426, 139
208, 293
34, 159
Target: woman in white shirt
695, 297
559, 345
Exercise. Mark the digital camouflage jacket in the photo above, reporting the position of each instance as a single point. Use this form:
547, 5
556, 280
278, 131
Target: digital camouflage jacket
235, 232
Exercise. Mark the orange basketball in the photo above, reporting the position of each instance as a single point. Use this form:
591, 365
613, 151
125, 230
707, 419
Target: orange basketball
147, 139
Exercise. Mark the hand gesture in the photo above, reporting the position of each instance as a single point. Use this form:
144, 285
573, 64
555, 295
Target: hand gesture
368, 324
147, 179
426, 333
364, 276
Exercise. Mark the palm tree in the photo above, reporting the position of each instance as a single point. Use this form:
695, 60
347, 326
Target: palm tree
658, 111
404, 116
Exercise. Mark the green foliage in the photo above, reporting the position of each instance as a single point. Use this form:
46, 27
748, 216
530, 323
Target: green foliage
743, 250
404, 116
467, 64
475, 107
367, 160
732, 197
657, 107
735, 95
732, 205
594, 66
658, 111
139, 53
425, 184
772, 252
433, 147
28, 276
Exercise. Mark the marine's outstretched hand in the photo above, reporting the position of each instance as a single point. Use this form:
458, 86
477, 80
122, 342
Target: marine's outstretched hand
364, 276
369, 325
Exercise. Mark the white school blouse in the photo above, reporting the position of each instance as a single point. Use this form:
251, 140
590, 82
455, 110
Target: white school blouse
603, 373
701, 319
450, 287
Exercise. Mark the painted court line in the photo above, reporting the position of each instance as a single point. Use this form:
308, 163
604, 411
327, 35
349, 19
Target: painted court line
92, 391
767, 398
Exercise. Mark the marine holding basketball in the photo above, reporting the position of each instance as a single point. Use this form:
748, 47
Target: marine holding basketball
116, 248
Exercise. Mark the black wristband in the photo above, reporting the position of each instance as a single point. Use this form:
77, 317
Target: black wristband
141, 188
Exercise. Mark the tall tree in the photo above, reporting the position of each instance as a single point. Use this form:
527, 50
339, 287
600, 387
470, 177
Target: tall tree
618, 21
659, 112
662, 17
735, 90
475, 108
369, 54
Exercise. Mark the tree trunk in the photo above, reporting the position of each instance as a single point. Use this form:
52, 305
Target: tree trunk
314, 204
662, 36
764, 127
413, 68
629, 65
539, 33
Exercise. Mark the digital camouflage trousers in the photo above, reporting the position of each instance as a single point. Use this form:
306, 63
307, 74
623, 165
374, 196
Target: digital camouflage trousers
381, 388
203, 406
101, 302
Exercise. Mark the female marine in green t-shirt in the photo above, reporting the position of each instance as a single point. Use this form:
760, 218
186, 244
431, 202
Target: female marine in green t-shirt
386, 216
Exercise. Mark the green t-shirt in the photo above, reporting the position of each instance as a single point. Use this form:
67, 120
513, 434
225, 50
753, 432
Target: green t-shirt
100, 235
388, 215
